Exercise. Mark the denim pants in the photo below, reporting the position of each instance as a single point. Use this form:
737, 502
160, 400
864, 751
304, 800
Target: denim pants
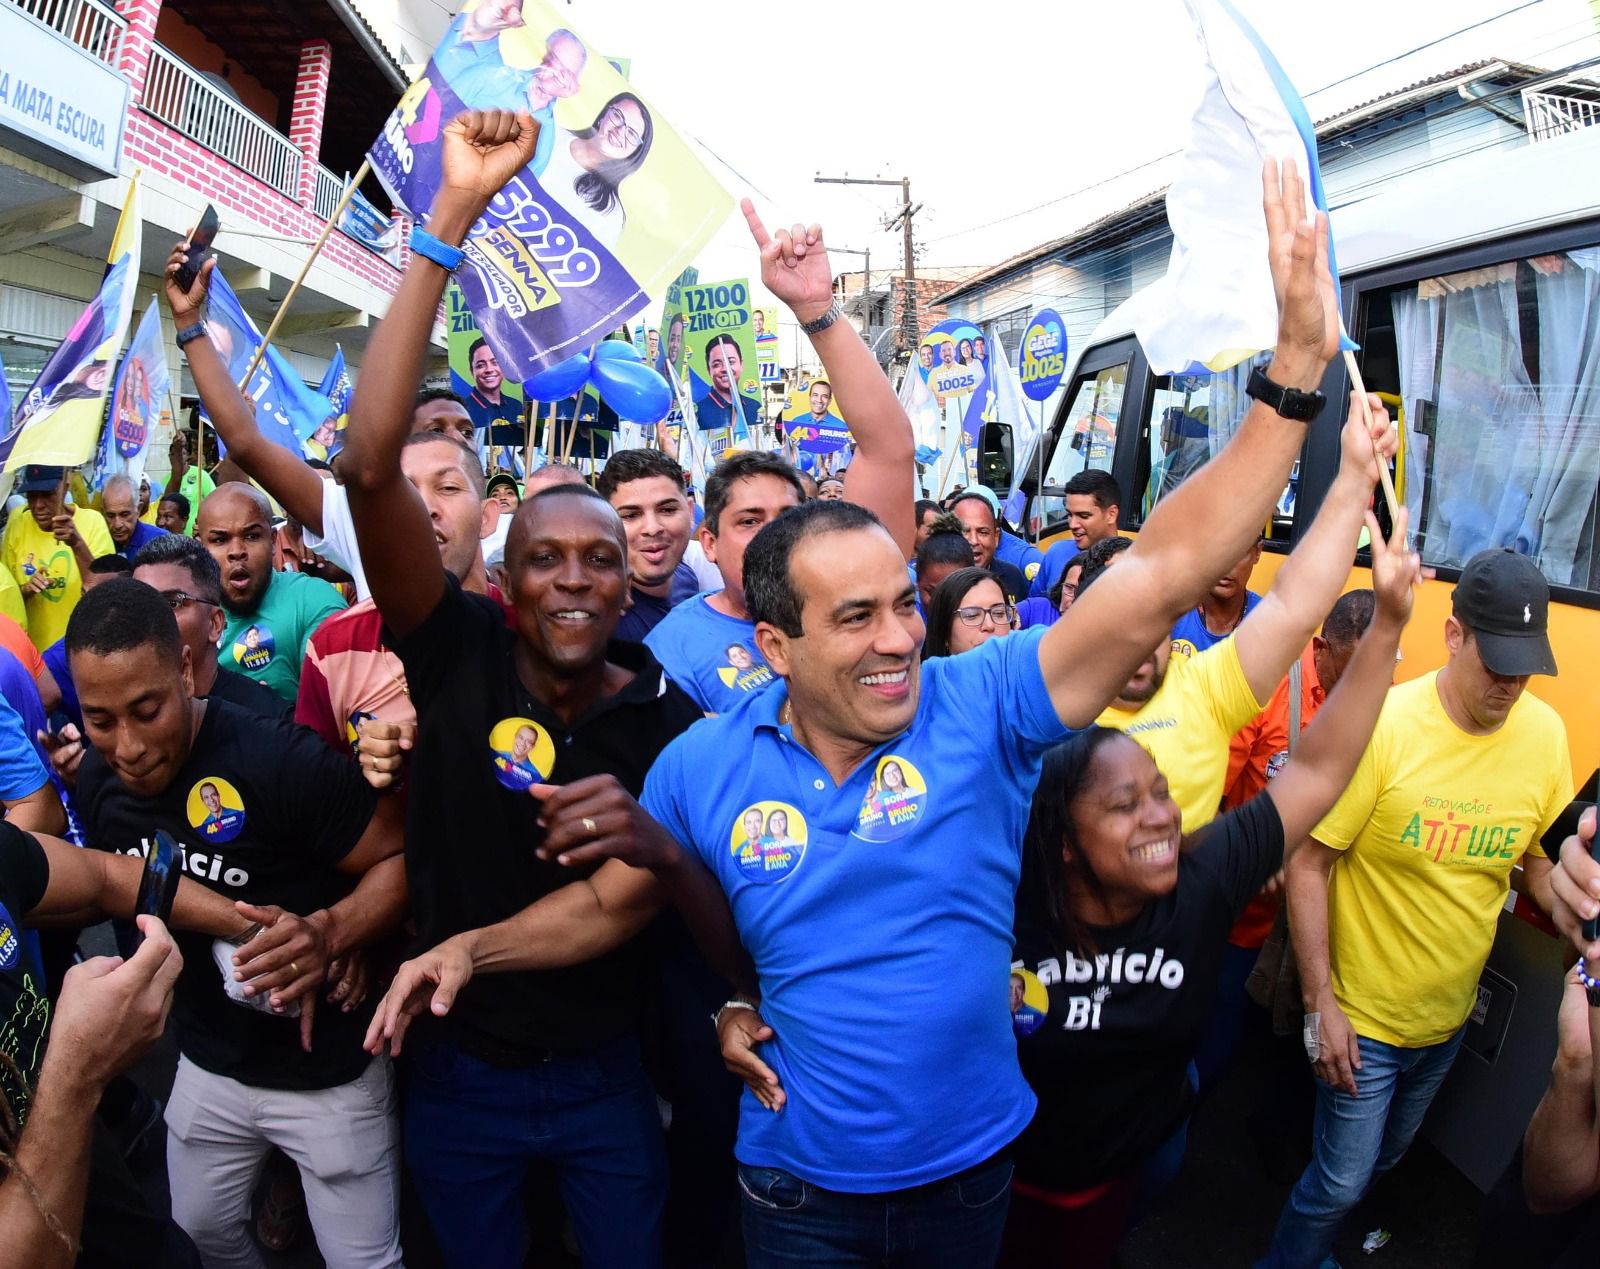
472, 1129
955, 1223
1354, 1140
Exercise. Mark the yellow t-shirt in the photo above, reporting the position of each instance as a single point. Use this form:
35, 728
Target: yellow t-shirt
27, 548
1430, 826
1187, 724
11, 604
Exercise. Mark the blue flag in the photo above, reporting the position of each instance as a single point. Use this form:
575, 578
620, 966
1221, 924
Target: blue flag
136, 400
289, 414
5, 399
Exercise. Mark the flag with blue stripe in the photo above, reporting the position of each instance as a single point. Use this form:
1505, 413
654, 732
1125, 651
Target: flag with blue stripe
140, 392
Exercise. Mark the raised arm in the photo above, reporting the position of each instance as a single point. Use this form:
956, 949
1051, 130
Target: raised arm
482, 151
1332, 745
1088, 655
1561, 1150
882, 477
285, 477
1306, 587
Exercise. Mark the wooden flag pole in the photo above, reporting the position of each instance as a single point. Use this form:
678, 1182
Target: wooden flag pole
316, 250
1383, 467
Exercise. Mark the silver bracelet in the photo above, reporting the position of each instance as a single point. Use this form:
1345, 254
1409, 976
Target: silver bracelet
819, 324
716, 1018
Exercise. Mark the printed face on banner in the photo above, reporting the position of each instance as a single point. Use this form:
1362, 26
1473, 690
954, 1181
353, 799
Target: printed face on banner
813, 420
948, 361
609, 209
765, 321
719, 361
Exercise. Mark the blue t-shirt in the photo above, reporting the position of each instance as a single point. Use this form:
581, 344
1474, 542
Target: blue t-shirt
1023, 555
1190, 635
649, 611
1035, 611
142, 534
696, 647
1055, 564
21, 770
879, 916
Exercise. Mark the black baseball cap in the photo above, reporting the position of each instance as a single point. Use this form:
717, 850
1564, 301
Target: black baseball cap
1505, 601
37, 479
503, 478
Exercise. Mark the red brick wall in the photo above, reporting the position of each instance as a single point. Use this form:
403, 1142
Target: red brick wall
310, 102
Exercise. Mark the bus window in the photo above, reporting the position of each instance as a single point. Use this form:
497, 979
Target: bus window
1088, 434
1191, 418
1498, 374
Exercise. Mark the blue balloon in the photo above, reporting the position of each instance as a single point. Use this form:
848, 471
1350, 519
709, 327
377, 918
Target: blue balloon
560, 381
616, 350
635, 391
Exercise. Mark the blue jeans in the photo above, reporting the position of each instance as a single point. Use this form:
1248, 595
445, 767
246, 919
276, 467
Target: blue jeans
1354, 1140
472, 1129
951, 1224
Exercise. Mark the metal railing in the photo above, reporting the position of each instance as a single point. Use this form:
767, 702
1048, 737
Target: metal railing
177, 95
1553, 114
330, 189
93, 25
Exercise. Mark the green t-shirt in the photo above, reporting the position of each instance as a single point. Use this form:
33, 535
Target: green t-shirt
269, 644
194, 486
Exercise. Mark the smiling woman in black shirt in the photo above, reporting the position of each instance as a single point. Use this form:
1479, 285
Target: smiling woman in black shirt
1121, 925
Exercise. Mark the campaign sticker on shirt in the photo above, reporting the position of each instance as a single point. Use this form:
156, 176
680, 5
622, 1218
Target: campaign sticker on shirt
524, 754
352, 729
1032, 570
1030, 1002
743, 668
252, 650
769, 841
216, 811
10, 941
895, 801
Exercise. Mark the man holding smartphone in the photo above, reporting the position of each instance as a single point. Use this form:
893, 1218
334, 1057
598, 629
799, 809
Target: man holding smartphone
295, 829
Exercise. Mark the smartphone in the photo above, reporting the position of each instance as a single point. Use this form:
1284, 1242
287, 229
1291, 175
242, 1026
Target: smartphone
199, 247
158, 887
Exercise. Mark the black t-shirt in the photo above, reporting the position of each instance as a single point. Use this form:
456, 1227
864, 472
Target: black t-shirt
265, 811
1109, 1060
1012, 581
24, 1007
472, 827
250, 696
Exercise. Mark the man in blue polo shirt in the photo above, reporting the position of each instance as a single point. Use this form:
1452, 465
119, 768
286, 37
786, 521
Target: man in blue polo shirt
876, 902
119, 504
1093, 506
1220, 610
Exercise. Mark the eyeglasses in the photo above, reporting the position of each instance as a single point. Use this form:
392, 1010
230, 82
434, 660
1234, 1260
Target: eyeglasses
178, 600
1000, 614
614, 119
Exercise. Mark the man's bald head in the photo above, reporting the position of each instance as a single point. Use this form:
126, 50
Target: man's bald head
551, 475
226, 499
119, 504
235, 525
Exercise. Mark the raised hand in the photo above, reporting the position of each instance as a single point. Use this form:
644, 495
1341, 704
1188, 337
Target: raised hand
1396, 569
1297, 250
794, 265
186, 305
483, 150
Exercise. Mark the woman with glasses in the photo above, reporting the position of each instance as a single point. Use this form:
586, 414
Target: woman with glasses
967, 610
587, 167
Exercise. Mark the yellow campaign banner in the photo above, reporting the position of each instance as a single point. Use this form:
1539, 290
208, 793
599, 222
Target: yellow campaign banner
58, 421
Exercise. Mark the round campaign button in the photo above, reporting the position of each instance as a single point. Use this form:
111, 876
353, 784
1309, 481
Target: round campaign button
215, 809
253, 649
1030, 1002
768, 841
523, 753
896, 799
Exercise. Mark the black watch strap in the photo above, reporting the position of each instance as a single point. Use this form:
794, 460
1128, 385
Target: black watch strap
1291, 403
1594, 996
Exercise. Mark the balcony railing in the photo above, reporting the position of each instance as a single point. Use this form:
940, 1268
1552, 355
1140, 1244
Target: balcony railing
330, 189
1554, 114
91, 24
175, 94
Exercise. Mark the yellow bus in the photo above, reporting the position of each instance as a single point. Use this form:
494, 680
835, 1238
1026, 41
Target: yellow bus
1473, 289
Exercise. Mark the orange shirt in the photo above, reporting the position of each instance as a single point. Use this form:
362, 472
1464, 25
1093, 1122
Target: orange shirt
1256, 754
14, 639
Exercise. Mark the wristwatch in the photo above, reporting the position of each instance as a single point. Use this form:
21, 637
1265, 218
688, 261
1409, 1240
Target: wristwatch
1290, 403
819, 324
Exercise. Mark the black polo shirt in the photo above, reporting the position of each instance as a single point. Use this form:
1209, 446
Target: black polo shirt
472, 826
288, 809
250, 696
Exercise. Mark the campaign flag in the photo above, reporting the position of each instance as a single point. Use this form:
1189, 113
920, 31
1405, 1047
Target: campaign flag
336, 385
612, 206
812, 420
719, 362
136, 402
289, 414
5, 396
59, 418
1216, 307
953, 398
496, 404
766, 324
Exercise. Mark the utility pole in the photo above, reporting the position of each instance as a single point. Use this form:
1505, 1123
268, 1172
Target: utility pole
908, 318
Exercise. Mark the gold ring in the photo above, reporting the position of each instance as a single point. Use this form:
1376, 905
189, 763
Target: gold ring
592, 828
294, 968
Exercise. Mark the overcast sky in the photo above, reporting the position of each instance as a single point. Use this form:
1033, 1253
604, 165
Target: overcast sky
998, 107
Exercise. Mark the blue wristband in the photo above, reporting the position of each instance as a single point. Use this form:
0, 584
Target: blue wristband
189, 334
441, 253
